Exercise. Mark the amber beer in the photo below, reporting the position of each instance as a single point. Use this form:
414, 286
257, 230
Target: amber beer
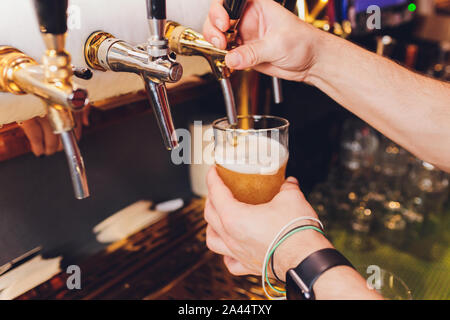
252, 162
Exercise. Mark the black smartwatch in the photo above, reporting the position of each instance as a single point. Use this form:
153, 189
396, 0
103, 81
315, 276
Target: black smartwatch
300, 280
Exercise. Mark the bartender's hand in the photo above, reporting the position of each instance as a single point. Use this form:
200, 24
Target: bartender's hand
275, 41
41, 137
243, 232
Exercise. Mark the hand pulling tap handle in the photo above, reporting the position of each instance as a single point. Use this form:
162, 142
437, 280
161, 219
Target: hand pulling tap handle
52, 18
52, 15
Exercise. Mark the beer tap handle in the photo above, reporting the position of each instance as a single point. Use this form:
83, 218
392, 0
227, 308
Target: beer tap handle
235, 9
156, 9
52, 15
277, 87
52, 18
156, 15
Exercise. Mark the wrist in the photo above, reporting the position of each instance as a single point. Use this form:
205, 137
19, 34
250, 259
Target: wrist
296, 248
322, 50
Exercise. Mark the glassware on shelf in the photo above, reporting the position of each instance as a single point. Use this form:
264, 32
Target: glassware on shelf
386, 283
359, 144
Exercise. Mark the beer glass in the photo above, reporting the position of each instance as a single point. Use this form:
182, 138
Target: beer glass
251, 157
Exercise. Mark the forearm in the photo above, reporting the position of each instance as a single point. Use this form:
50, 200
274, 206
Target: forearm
339, 283
411, 109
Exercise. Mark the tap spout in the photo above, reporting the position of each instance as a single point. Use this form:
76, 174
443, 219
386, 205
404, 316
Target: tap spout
76, 165
277, 90
230, 103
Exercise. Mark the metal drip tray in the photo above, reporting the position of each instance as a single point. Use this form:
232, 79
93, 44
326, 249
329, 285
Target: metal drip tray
168, 260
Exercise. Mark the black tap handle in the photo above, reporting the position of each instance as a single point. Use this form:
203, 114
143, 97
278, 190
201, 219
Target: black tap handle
288, 4
156, 9
235, 8
52, 15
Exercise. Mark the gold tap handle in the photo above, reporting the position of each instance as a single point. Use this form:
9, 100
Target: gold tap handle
235, 9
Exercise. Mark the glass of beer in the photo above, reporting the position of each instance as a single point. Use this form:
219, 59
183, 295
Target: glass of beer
251, 157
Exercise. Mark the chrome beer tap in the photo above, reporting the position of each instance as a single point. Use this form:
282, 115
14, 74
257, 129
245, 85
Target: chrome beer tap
235, 9
276, 82
152, 61
52, 82
186, 41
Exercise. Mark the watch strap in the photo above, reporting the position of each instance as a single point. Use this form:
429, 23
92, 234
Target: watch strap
300, 280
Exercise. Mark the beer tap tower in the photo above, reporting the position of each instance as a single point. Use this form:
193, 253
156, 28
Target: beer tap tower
152, 61
50, 81
276, 82
185, 41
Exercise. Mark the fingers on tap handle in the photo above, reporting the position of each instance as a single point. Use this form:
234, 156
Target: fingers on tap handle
52, 15
156, 9
234, 8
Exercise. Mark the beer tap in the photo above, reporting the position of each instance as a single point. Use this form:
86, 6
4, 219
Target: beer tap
276, 82
50, 81
152, 61
186, 41
235, 9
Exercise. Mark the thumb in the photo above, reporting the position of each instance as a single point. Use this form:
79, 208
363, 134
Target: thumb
249, 55
291, 183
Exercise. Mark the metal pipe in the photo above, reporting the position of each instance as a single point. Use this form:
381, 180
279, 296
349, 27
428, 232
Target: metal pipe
230, 103
157, 94
76, 165
277, 90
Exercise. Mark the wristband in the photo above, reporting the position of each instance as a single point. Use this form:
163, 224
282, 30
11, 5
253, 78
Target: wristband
300, 280
272, 251
273, 255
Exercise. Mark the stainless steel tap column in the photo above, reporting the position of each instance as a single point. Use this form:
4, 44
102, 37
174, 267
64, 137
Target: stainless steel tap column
158, 50
235, 9
152, 61
52, 17
276, 82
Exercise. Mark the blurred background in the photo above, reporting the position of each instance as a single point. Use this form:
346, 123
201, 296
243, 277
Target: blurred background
381, 205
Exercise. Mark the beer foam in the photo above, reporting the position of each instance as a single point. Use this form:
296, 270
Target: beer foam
251, 154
